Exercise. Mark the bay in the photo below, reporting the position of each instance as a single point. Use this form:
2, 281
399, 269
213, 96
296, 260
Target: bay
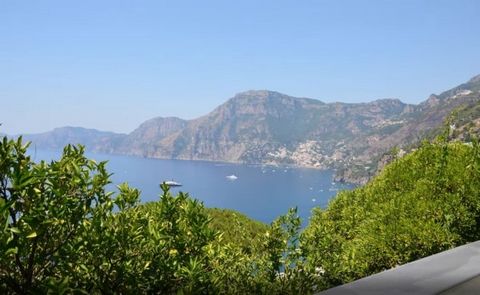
261, 192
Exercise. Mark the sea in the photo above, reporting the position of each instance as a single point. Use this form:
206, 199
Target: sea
260, 192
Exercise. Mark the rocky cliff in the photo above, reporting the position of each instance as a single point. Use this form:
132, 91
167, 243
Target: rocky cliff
267, 127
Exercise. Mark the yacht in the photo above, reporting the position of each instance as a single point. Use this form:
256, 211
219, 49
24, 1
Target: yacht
172, 183
232, 177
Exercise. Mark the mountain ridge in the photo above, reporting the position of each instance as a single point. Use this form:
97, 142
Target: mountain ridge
269, 127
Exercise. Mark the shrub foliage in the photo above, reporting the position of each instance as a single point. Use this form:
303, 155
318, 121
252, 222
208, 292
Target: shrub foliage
62, 232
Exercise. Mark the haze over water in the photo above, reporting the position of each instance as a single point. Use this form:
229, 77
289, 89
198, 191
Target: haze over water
261, 192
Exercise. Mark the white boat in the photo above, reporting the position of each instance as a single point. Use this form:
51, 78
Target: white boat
172, 183
232, 177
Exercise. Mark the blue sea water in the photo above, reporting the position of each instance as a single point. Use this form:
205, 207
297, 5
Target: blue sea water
260, 192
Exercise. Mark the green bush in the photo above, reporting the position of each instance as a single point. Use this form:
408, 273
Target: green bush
62, 232
424, 203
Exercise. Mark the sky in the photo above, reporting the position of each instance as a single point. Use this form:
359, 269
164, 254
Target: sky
113, 64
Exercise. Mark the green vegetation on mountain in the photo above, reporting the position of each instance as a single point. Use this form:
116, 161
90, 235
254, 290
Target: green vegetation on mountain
421, 204
62, 232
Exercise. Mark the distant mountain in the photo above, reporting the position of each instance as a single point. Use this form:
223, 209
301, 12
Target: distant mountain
427, 120
272, 128
267, 127
146, 139
94, 140
431, 114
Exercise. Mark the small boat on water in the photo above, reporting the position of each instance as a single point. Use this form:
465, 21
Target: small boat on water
232, 177
172, 183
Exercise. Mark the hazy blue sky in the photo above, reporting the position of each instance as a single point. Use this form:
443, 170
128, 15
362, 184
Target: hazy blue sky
113, 64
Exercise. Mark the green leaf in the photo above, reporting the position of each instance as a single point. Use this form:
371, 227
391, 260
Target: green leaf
32, 235
12, 251
15, 230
